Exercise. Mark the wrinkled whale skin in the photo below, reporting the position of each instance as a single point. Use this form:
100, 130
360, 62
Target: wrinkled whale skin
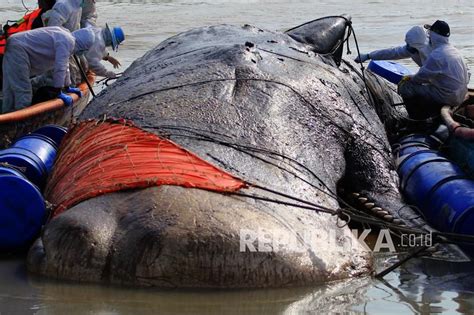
245, 86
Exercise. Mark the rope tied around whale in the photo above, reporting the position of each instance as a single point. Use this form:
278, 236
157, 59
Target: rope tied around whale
100, 157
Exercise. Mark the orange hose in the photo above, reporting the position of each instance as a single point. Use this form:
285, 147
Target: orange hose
44, 107
97, 158
454, 126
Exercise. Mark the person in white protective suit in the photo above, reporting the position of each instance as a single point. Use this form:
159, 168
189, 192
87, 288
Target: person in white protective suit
65, 13
89, 19
442, 80
416, 48
89, 14
35, 52
73, 14
98, 52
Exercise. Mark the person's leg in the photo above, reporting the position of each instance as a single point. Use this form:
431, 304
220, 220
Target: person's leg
17, 93
421, 101
8, 74
74, 72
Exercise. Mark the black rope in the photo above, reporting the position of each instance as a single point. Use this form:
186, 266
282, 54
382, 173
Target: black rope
25, 7
351, 213
286, 203
105, 81
84, 75
245, 148
401, 262
315, 109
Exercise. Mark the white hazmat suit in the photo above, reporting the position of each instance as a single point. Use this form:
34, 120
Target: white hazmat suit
443, 78
89, 14
416, 38
97, 53
65, 13
35, 52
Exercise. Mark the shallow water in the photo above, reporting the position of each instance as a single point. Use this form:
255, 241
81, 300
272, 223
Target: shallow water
418, 287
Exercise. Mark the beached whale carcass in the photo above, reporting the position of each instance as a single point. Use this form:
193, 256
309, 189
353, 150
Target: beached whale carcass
273, 109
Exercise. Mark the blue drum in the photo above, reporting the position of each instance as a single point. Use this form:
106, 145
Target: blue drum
22, 210
441, 190
388, 70
27, 162
430, 140
451, 206
43, 147
54, 132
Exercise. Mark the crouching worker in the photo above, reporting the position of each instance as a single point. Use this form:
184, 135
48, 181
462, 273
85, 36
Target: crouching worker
35, 52
442, 80
104, 37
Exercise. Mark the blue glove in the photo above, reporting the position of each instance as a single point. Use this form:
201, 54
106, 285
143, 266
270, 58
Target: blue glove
362, 58
74, 90
66, 99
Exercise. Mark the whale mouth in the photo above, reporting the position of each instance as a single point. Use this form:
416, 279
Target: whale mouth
186, 237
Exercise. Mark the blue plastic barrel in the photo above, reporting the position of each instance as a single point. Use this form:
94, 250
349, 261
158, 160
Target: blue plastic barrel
27, 162
441, 191
54, 132
429, 140
408, 148
409, 165
389, 70
40, 145
451, 206
9, 170
22, 212
423, 179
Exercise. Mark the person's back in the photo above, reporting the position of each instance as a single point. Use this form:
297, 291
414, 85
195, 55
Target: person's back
89, 14
441, 81
446, 70
65, 13
43, 46
35, 52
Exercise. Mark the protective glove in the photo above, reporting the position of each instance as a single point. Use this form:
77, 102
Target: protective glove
110, 75
362, 58
66, 99
404, 80
74, 90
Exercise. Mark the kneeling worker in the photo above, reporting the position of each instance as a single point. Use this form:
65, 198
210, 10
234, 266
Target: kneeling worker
35, 52
442, 80
104, 37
